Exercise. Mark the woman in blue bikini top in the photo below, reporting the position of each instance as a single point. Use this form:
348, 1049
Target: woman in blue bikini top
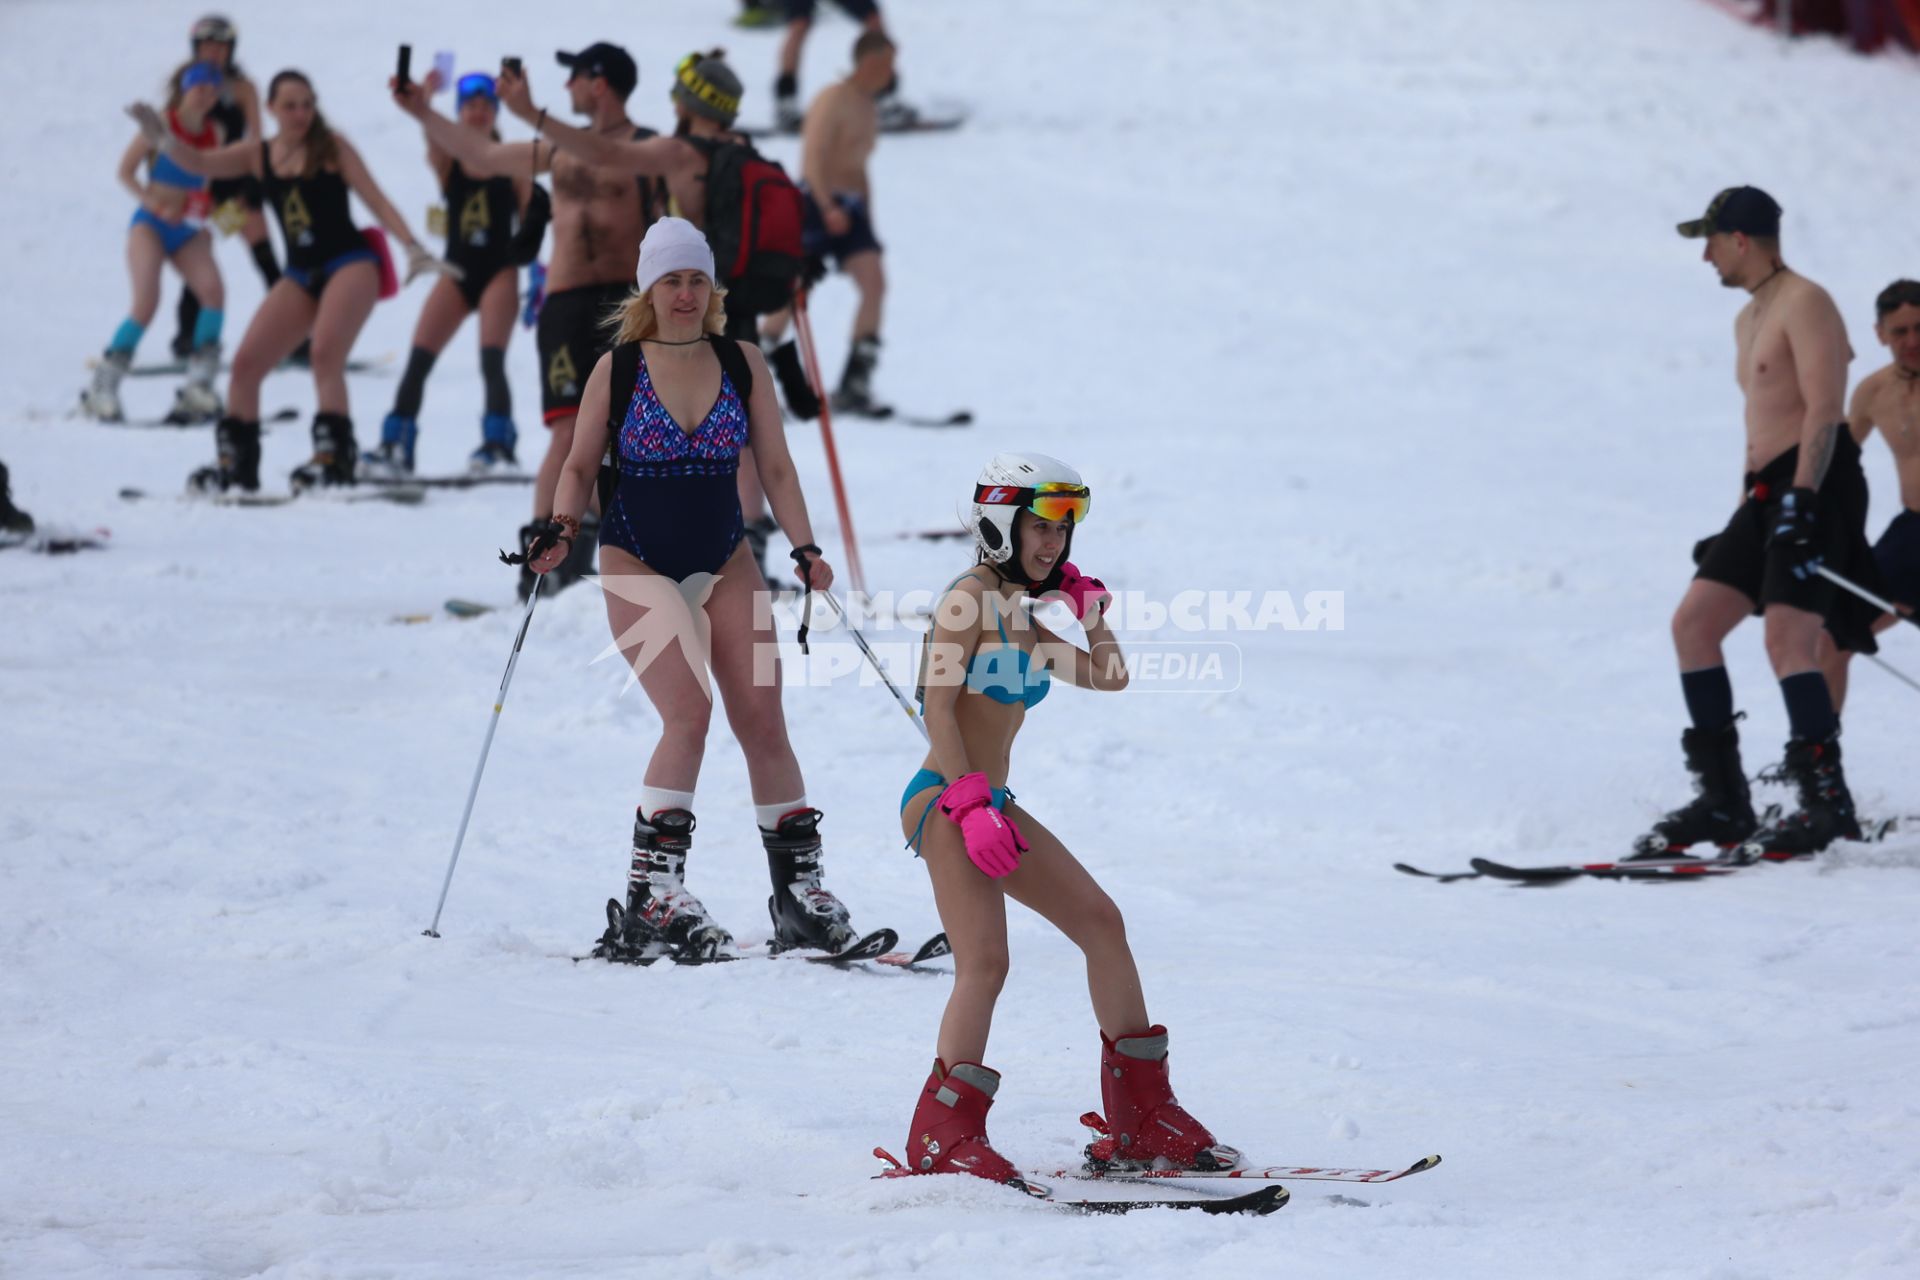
986, 663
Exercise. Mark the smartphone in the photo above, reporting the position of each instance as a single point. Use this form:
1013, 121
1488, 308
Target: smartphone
443, 68
406, 65
513, 65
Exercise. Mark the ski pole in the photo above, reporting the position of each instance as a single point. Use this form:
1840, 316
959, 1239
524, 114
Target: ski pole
1894, 671
913, 713
499, 700
1886, 606
803, 330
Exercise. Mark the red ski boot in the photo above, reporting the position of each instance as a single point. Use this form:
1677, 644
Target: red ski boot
949, 1133
1143, 1120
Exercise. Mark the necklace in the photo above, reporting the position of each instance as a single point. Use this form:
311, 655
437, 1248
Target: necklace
665, 343
1755, 291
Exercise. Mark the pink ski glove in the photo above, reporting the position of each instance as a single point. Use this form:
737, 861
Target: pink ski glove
993, 842
1084, 595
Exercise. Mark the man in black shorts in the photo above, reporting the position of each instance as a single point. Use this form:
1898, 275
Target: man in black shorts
787, 116
1805, 507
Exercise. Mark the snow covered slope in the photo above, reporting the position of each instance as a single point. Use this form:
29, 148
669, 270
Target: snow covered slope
1380, 297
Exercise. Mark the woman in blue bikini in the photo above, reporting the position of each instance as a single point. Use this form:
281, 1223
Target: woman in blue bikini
980, 677
680, 583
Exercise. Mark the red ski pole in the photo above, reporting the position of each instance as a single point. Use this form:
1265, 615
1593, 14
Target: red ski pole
803, 329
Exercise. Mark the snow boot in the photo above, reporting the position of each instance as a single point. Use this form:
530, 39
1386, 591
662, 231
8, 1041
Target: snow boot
12, 519
101, 400
393, 459
1142, 1120
1721, 813
197, 401
855, 395
949, 1132
1826, 806
804, 913
336, 458
802, 402
236, 459
660, 910
497, 438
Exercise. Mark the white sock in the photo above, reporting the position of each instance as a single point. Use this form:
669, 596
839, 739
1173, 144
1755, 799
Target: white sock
769, 815
654, 799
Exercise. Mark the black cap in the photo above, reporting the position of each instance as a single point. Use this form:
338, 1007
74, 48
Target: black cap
608, 61
1748, 210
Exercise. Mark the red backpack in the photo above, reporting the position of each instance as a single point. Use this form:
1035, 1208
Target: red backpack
753, 223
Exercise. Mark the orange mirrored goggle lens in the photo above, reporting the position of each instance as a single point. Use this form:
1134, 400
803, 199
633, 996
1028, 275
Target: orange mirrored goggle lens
1055, 502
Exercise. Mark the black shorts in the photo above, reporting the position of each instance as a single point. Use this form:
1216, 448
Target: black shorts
478, 274
570, 340
858, 10
1897, 555
1738, 555
858, 239
246, 190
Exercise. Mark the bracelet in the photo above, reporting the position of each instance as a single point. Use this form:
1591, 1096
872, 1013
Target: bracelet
571, 525
799, 554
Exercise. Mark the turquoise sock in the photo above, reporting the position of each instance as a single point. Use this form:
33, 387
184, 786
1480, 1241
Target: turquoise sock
127, 336
206, 329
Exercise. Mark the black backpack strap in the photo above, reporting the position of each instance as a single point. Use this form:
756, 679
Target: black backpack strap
623, 375
733, 363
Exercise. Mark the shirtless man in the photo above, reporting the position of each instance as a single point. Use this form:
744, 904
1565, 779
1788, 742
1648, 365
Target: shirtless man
1804, 503
1890, 400
786, 89
599, 216
841, 130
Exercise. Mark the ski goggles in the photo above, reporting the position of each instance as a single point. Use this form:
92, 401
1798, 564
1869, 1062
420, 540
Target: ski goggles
476, 84
1057, 502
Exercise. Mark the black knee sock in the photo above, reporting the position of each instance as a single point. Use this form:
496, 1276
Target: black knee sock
413, 383
493, 369
1809, 706
189, 315
787, 86
269, 265
1709, 697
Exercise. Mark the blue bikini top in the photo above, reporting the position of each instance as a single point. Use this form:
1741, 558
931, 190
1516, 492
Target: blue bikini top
1003, 672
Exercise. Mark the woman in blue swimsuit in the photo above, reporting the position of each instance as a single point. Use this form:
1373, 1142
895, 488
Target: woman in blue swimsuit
169, 226
669, 410
988, 662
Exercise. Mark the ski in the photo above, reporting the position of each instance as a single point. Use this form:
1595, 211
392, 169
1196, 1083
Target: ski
1639, 869
933, 535
1255, 1203
871, 946
1296, 1173
887, 413
178, 368
460, 480
932, 949
56, 540
287, 414
401, 497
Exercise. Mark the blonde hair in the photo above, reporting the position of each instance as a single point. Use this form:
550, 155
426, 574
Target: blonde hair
633, 319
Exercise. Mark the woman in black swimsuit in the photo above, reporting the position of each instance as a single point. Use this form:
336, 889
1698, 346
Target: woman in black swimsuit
481, 215
681, 585
331, 282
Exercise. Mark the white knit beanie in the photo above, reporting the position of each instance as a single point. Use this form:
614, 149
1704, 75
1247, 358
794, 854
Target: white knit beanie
672, 244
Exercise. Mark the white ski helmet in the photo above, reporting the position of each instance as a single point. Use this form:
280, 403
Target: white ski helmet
1046, 486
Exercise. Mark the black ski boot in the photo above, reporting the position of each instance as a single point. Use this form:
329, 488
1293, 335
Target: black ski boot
12, 519
855, 395
660, 911
802, 402
1826, 806
236, 465
804, 913
336, 457
1721, 813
